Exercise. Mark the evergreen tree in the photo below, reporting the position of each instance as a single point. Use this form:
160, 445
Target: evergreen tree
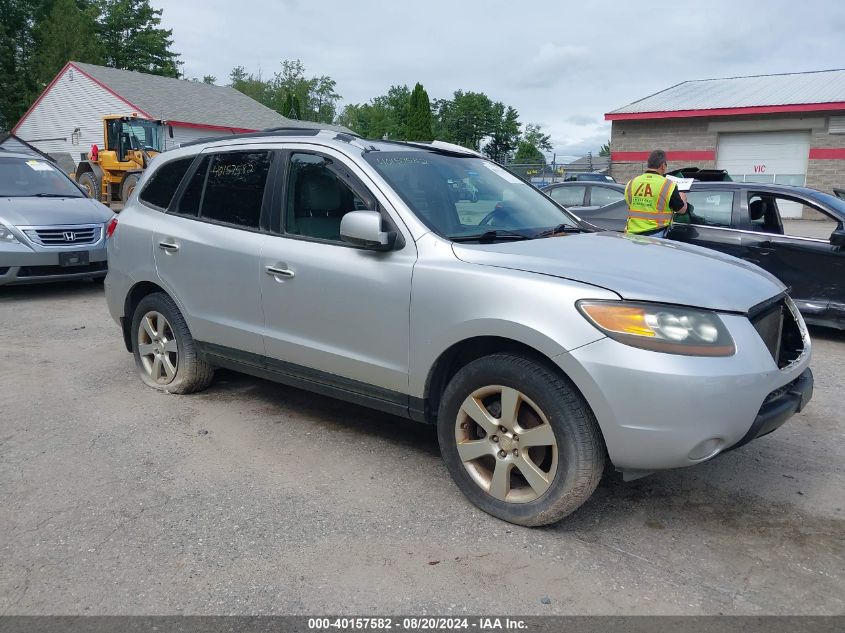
133, 40
419, 116
18, 87
68, 32
291, 108
505, 135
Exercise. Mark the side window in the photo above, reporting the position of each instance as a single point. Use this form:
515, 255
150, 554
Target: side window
711, 208
192, 196
161, 186
234, 188
784, 216
763, 214
601, 196
569, 196
317, 199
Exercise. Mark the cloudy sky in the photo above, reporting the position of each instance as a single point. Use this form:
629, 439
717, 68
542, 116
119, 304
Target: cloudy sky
560, 64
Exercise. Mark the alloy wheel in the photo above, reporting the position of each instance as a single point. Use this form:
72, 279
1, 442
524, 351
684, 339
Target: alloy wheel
157, 348
506, 444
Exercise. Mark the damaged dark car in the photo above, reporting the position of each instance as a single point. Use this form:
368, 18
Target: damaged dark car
795, 233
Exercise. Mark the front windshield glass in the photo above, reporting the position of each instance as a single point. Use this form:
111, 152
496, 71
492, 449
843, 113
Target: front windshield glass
143, 134
462, 196
832, 201
22, 177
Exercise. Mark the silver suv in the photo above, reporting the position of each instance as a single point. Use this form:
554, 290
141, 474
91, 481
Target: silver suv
356, 269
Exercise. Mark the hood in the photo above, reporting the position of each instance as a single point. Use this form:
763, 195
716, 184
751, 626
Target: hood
636, 268
47, 211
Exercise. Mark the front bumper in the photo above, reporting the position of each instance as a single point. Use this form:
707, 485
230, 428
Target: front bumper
21, 264
660, 411
779, 406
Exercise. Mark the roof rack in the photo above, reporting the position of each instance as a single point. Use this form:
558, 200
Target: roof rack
276, 131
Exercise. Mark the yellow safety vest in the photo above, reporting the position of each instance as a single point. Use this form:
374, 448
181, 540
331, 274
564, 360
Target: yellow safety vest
648, 202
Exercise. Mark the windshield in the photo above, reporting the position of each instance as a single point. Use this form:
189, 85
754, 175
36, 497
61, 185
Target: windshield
21, 177
832, 201
462, 196
142, 134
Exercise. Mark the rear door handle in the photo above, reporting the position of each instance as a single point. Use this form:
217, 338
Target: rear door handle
279, 272
170, 247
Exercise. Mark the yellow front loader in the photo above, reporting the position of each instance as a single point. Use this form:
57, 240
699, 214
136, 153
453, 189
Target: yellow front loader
129, 143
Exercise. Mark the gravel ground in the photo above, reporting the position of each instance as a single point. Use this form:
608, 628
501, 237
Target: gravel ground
254, 498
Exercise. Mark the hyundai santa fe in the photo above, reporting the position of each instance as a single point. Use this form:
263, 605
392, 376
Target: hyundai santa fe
539, 349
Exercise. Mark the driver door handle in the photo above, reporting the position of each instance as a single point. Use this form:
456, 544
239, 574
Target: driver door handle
279, 272
170, 247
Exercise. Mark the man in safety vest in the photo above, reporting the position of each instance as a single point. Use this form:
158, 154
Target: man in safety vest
652, 198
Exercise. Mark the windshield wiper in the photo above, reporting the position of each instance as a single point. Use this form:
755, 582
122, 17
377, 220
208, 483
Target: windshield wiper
52, 195
489, 236
560, 228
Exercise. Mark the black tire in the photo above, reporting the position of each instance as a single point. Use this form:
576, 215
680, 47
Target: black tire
580, 452
128, 186
192, 372
91, 184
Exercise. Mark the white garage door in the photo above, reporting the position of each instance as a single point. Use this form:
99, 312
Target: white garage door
768, 157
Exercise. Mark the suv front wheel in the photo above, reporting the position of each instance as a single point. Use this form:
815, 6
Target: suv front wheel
166, 355
519, 440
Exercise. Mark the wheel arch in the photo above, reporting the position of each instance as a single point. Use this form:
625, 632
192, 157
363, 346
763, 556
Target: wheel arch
133, 298
464, 352
87, 167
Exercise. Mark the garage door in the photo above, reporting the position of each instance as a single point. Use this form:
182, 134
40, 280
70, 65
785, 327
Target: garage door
768, 157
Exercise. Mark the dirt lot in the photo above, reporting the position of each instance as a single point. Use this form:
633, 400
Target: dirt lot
257, 498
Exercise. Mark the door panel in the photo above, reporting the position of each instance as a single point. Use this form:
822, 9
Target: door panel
328, 306
213, 270
813, 269
337, 309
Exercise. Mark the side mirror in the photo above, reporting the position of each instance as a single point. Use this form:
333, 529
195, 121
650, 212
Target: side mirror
363, 230
837, 238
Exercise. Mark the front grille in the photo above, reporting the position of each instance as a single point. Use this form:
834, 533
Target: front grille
779, 329
47, 271
69, 235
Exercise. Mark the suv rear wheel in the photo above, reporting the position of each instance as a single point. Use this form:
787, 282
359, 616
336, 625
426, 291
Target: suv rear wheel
519, 440
165, 353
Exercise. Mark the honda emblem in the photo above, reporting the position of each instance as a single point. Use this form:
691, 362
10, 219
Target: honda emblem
70, 236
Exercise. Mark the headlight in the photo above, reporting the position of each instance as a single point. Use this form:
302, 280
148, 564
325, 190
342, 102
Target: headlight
7, 236
661, 328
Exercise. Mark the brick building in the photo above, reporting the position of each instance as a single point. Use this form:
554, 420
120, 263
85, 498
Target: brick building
786, 129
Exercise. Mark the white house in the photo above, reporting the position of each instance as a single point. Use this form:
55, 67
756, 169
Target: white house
66, 117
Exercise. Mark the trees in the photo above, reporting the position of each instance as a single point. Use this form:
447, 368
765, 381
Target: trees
419, 115
17, 46
68, 32
385, 115
289, 92
464, 119
38, 37
605, 149
132, 39
504, 138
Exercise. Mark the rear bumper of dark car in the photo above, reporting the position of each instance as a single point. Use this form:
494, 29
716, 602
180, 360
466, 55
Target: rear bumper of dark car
780, 405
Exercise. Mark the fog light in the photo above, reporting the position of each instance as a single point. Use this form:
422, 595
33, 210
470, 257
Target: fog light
706, 449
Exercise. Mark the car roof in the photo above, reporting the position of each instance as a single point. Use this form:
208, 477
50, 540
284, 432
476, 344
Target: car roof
758, 186
328, 137
581, 183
